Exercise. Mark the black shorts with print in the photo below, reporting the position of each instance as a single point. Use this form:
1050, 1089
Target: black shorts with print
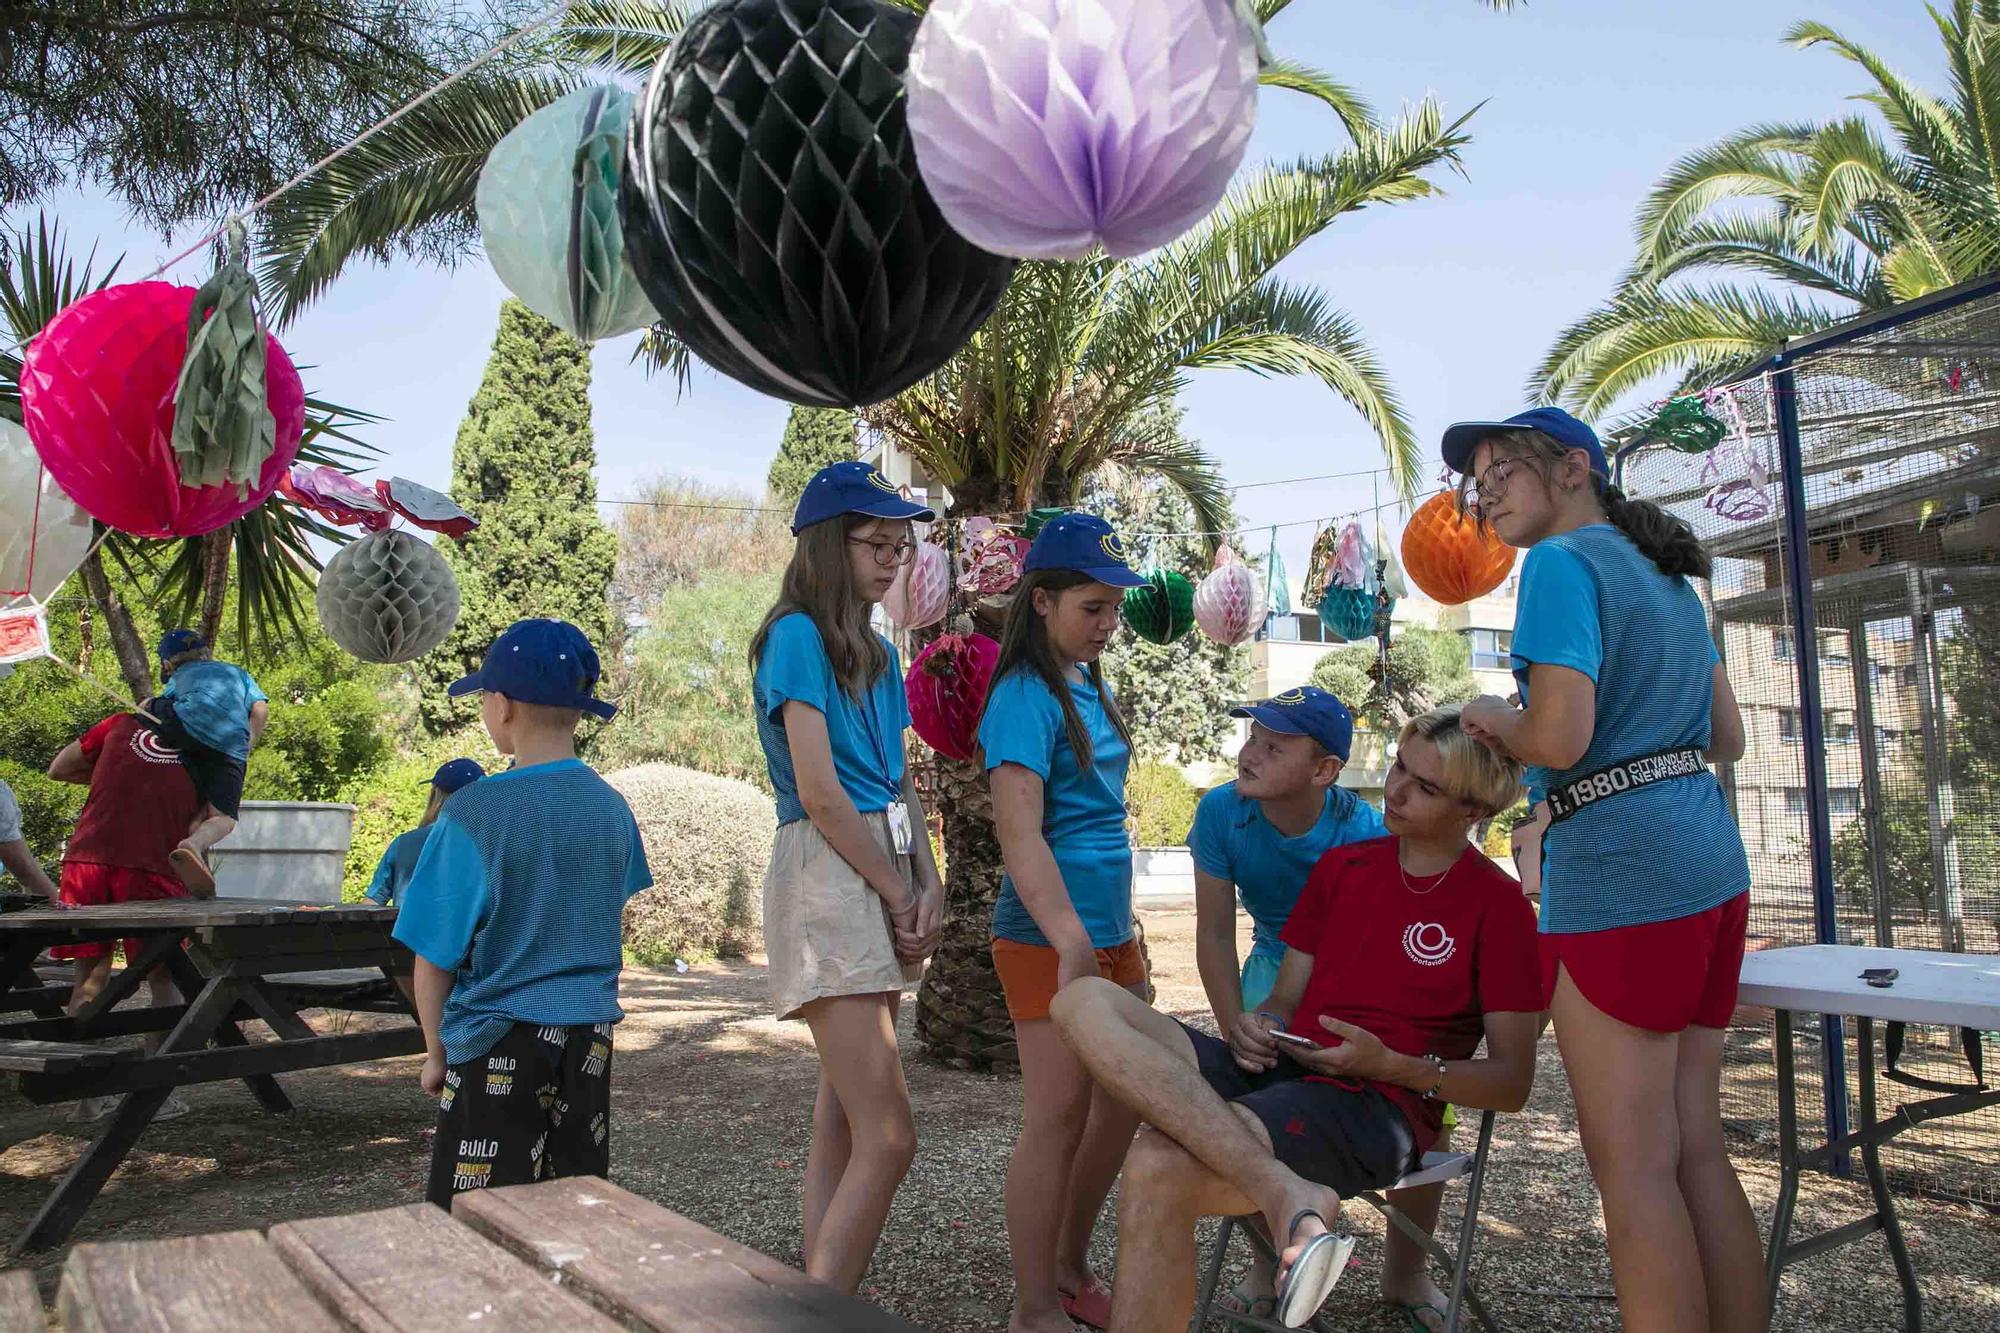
537, 1105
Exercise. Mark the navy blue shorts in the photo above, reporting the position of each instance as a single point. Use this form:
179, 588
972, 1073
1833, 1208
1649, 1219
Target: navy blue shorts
1348, 1138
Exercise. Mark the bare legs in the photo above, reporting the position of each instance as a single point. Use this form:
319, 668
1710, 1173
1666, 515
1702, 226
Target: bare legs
1684, 1250
1073, 1142
863, 1139
1146, 1061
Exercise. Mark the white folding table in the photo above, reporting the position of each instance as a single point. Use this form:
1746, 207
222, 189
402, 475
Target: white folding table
1941, 989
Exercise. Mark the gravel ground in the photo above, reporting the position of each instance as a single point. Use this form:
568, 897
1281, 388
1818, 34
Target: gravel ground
712, 1100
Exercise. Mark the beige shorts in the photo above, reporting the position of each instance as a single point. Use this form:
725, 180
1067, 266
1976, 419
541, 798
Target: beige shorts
825, 931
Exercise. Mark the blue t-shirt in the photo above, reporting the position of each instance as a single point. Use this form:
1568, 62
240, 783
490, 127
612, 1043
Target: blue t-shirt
1592, 602
396, 866
212, 700
866, 736
1232, 840
1083, 813
521, 891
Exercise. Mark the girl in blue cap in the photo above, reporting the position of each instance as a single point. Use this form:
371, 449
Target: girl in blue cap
852, 900
393, 871
1645, 886
1057, 751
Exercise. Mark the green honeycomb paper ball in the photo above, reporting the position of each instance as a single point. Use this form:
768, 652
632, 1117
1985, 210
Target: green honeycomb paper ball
388, 598
548, 213
1162, 610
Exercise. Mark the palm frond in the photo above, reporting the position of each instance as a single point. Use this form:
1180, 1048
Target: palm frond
1762, 243
1848, 171
625, 35
1349, 105
409, 187
1704, 335
39, 277
1183, 465
1926, 127
661, 351
1756, 163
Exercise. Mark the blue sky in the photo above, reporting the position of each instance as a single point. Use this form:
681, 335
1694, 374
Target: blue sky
1587, 101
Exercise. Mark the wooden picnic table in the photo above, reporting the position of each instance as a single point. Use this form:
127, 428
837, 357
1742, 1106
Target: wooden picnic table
578, 1255
233, 959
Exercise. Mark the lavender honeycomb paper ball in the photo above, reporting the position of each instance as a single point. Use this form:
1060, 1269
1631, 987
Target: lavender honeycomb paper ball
1046, 128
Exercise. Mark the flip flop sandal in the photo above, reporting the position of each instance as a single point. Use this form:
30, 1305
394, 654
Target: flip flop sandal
1090, 1305
1311, 1278
192, 871
1239, 1301
1413, 1314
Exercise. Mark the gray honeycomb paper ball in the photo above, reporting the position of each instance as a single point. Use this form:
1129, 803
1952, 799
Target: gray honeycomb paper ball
388, 598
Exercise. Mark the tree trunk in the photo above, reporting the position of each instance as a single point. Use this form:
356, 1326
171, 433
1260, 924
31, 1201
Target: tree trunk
133, 663
215, 548
961, 1012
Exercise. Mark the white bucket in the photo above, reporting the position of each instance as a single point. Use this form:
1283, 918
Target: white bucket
291, 851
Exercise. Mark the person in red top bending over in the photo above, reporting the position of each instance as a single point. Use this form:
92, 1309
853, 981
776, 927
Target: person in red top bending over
1403, 952
141, 804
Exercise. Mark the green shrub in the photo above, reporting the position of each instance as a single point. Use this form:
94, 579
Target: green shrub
391, 798
1162, 803
708, 840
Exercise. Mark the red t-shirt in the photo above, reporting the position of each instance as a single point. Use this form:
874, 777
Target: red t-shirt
141, 800
1419, 970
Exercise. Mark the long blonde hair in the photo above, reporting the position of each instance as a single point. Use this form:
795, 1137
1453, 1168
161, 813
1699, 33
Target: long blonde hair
438, 797
819, 582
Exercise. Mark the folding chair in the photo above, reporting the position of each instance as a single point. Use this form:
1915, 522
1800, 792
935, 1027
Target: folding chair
1437, 1168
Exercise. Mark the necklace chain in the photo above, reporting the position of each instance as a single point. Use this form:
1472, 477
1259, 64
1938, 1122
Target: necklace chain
1435, 884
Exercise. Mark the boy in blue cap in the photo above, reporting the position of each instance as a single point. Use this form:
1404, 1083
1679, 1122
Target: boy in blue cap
393, 871
514, 912
212, 712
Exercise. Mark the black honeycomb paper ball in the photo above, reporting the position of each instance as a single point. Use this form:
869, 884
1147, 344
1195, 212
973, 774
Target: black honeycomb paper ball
773, 212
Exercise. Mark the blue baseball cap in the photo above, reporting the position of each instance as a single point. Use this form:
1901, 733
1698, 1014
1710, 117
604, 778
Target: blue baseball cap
1462, 440
540, 662
456, 773
177, 641
853, 488
1306, 712
1083, 544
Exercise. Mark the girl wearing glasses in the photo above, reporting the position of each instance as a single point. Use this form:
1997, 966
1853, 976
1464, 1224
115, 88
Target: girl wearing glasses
852, 900
1057, 752
1644, 882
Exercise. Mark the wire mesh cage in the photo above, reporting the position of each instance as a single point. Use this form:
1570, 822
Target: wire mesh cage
1898, 464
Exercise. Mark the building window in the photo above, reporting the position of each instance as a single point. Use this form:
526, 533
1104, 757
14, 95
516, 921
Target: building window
1788, 724
1833, 648
1795, 802
1781, 644
1839, 733
1492, 649
1844, 801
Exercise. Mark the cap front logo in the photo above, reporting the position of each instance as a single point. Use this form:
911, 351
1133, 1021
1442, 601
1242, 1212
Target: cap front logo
1290, 698
880, 482
1113, 547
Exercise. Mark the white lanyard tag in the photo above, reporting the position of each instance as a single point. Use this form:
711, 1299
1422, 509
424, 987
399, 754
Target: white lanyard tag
899, 827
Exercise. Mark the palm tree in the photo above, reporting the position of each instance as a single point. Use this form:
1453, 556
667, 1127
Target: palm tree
188, 578
1057, 387
1782, 229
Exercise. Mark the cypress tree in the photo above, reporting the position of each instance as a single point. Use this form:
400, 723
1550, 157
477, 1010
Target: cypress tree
522, 464
814, 437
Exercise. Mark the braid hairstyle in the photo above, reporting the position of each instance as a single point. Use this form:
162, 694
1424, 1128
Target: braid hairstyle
1663, 539
1024, 646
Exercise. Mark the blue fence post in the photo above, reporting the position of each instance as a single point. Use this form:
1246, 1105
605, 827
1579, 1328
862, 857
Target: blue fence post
1812, 725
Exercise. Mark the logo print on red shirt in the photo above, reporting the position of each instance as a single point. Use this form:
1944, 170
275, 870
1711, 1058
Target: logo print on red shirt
148, 746
1427, 944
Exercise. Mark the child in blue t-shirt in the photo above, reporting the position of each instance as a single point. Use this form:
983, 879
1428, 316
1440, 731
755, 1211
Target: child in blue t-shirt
852, 900
212, 712
1057, 752
515, 912
393, 871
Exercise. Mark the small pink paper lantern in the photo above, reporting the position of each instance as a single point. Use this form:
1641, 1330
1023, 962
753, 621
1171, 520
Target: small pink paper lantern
922, 592
947, 686
1226, 605
97, 391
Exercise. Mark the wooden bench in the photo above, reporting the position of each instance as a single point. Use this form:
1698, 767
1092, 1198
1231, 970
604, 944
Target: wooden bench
23, 1056
576, 1256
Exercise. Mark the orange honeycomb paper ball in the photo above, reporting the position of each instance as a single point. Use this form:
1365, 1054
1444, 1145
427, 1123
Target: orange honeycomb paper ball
1449, 556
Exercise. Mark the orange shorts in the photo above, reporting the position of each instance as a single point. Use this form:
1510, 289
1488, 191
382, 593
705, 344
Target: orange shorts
1028, 974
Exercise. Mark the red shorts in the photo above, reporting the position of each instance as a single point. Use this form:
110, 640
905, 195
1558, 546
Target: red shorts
1028, 974
1664, 976
87, 884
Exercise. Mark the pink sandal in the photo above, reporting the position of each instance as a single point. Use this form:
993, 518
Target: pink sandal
1090, 1305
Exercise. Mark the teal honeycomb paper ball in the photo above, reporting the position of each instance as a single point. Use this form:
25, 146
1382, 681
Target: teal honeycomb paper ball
548, 212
